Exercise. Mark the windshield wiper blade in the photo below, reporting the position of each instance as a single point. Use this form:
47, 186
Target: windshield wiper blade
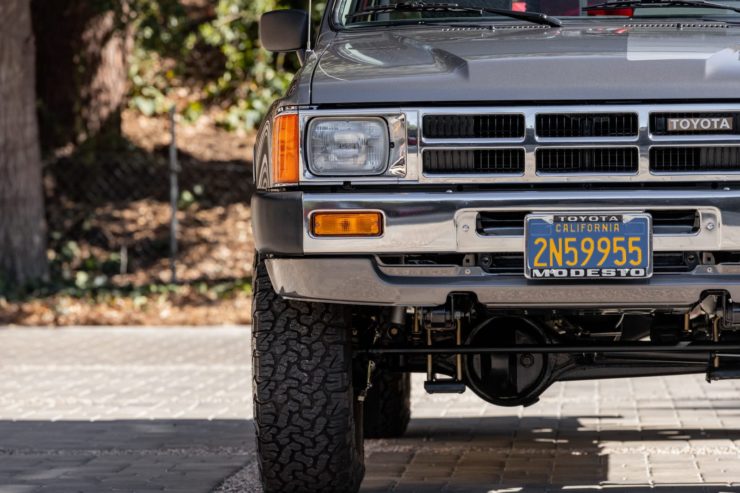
535, 17
663, 3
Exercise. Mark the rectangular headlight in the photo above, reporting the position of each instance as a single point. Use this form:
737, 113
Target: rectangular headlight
352, 146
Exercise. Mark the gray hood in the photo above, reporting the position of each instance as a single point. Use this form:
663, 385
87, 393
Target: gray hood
414, 65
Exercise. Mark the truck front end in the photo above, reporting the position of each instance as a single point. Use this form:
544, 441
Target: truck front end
503, 201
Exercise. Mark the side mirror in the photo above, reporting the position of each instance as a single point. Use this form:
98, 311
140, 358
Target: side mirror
284, 30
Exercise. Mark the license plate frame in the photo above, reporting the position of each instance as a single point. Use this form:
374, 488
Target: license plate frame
630, 225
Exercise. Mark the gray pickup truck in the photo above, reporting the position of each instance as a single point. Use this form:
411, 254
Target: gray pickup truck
499, 195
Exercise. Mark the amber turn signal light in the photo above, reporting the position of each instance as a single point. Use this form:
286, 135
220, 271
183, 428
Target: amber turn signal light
285, 149
347, 224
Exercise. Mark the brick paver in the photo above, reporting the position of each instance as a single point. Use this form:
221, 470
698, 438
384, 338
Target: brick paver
140, 410
170, 410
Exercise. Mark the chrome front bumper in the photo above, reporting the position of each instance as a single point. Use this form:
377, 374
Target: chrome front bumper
364, 281
423, 222
346, 269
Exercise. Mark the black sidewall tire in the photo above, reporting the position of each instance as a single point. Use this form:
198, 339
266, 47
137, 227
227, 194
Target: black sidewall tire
305, 411
387, 409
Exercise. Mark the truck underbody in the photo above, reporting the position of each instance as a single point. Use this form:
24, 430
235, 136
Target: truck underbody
509, 357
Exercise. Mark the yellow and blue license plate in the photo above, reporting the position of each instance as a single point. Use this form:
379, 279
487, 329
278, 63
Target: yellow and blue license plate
588, 246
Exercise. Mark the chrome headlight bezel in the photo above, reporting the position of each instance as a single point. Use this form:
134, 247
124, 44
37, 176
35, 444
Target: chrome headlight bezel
398, 153
383, 135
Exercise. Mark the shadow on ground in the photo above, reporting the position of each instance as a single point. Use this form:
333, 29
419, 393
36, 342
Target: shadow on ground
122, 455
542, 454
492, 454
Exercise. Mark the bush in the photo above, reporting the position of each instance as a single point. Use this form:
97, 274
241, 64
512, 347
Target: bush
207, 56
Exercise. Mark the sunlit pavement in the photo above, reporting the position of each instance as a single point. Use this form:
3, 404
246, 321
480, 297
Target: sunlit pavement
170, 410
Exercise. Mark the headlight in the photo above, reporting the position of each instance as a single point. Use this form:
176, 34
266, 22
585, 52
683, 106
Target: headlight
338, 147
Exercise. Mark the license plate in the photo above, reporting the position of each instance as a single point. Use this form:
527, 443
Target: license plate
588, 246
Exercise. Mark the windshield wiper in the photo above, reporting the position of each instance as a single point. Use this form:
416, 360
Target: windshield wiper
703, 4
535, 17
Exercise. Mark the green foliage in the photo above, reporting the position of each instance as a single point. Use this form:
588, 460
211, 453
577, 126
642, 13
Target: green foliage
207, 56
189, 197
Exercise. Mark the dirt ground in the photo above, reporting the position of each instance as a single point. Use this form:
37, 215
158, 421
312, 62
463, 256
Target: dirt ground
114, 253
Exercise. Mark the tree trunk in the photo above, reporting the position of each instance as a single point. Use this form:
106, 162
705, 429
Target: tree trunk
22, 228
83, 75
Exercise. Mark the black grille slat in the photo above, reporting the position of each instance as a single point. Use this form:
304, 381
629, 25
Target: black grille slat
694, 159
511, 223
588, 160
473, 126
501, 223
587, 125
659, 123
483, 161
675, 222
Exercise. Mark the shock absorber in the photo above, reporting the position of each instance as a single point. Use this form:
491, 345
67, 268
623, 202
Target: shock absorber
447, 321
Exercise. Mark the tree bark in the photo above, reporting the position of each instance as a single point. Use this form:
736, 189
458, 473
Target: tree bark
83, 74
22, 226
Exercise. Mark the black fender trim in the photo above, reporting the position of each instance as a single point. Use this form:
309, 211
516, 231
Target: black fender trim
277, 222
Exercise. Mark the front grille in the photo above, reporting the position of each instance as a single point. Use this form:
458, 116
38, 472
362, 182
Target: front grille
675, 222
694, 159
501, 223
587, 125
659, 123
439, 161
608, 144
511, 223
474, 126
588, 160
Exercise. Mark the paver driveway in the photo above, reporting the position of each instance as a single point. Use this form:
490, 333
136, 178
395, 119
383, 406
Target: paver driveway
169, 409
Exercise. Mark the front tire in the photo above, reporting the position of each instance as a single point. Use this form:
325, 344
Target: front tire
309, 437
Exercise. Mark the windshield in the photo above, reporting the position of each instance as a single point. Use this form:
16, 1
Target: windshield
348, 10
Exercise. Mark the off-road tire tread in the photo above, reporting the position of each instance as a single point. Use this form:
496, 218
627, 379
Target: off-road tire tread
388, 405
303, 397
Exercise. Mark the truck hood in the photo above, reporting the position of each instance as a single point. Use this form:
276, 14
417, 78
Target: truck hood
530, 63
